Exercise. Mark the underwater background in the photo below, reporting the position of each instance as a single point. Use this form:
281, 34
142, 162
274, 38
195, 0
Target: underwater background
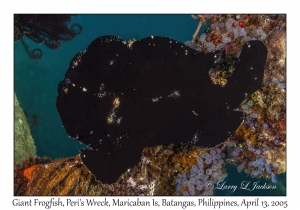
36, 81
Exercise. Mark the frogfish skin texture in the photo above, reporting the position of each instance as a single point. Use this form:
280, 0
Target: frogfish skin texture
120, 97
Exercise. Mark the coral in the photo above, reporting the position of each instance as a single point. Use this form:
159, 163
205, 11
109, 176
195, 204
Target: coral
208, 170
258, 146
276, 60
154, 175
23, 142
23, 173
41, 176
236, 30
262, 136
44, 28
228, 33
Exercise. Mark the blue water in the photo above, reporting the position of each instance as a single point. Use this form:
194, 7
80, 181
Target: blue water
36, 82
